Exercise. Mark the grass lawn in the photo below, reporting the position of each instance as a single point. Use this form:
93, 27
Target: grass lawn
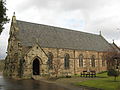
103, 82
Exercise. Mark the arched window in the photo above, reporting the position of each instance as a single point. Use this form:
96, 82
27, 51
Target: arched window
50, 60
103, 60
66, 61
93, 61
80, 60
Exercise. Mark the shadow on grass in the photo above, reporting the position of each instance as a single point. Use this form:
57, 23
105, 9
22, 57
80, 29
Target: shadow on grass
89, 88
117, 81
101, 77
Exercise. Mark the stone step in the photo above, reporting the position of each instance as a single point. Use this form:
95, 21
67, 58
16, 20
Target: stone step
36, 77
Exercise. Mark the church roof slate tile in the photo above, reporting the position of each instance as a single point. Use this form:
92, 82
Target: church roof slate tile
115, 47
55, 37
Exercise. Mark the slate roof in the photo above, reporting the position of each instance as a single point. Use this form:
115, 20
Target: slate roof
55, 37
115, 47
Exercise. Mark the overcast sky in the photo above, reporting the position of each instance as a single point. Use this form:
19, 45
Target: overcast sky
83, 15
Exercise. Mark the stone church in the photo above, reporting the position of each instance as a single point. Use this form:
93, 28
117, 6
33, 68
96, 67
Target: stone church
40, 50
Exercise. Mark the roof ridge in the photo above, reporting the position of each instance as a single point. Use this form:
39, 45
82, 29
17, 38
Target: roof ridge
56, 37
67, 29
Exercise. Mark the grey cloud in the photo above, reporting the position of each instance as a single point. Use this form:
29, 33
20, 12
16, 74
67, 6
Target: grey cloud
108, 26
39, 4
61, 12
87, 7
63, 5
2, 55
3, 41
83, 4
3, 47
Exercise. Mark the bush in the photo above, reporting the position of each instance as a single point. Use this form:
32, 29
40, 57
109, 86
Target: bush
113, 72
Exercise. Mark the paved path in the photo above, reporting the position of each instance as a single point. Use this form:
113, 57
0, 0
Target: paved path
11, 84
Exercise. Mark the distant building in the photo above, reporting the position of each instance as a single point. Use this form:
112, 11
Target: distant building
33, 50
114, 58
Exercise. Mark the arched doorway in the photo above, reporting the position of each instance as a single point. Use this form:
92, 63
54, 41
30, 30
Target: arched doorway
36, 67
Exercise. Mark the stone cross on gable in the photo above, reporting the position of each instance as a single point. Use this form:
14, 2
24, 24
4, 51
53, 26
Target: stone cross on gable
100, 32
113, 40
13, 13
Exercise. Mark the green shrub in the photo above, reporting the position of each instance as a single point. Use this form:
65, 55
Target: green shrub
113, 72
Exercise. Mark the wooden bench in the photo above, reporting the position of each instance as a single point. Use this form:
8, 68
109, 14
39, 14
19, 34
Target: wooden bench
88, 74
83, 74
93, 73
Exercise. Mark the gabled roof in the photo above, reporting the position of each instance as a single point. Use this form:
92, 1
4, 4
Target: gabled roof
55, 37
115, 47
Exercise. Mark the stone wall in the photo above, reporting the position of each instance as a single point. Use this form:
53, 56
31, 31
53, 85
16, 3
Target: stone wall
13, 53
58, 54
31, 53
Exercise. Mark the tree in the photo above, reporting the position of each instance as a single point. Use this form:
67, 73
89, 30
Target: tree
113, 72
57, 66
113, 60
3, 18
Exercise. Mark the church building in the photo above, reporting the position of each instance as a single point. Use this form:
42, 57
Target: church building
41, 50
